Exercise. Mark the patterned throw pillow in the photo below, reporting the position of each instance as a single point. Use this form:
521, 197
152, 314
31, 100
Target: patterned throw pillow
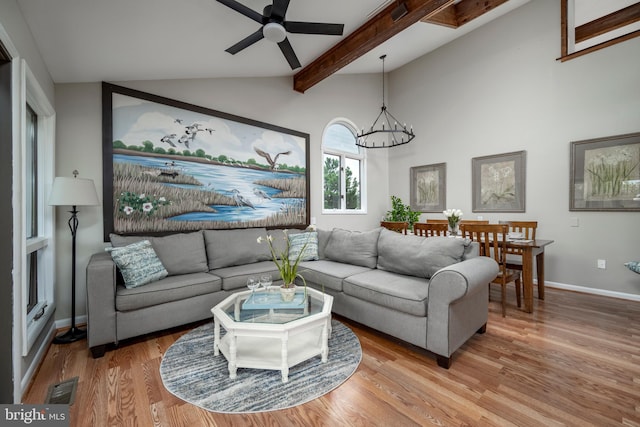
298, 241
633, 266
138, 264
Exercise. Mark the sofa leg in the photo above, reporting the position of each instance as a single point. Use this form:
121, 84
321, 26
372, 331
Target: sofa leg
443, 362
98, 351
482, 329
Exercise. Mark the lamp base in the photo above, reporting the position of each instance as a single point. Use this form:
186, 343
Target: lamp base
72, 335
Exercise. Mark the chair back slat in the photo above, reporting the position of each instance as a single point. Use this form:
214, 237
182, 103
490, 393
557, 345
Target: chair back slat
492, 239
527, 228
398, 226
427, 229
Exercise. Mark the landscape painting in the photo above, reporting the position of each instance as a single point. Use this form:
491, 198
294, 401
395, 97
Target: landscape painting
171, 166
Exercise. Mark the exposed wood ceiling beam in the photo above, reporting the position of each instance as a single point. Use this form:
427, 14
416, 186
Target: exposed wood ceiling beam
607, 23
462, 12
374, 32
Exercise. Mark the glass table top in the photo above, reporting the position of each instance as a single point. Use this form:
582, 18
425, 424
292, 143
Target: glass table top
268, 307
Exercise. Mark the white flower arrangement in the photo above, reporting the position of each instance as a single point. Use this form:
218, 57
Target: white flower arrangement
453, 216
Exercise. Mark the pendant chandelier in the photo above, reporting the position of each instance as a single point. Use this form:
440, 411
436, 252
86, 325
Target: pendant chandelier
386, 131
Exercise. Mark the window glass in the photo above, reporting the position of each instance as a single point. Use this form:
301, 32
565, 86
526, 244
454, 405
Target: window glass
343, 169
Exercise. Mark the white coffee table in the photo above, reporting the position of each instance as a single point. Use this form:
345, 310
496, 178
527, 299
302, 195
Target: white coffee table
272, 338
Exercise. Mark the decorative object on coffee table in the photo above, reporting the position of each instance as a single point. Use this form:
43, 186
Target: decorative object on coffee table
286, 263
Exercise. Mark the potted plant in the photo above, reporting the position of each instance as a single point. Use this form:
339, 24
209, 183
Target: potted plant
401, 213
288, 268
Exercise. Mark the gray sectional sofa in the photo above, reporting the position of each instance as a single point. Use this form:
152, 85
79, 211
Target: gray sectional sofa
430, 292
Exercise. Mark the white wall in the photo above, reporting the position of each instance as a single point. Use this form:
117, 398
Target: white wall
500, 89
270, 100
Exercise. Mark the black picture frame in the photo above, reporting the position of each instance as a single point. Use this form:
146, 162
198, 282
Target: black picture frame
605, 174
170, 166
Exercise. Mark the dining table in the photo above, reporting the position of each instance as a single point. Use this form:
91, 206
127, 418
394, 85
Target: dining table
531, 249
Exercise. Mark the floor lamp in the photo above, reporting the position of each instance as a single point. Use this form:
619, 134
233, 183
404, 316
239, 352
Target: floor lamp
73, 192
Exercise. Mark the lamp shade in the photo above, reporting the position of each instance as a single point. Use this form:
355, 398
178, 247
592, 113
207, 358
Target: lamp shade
73, 192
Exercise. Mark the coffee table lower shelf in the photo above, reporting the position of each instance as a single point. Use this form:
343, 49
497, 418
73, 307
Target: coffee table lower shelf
275, 353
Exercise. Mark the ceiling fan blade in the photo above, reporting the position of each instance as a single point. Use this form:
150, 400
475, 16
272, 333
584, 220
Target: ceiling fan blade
314, 28
279, 9
246, 42
289, 54
244, 10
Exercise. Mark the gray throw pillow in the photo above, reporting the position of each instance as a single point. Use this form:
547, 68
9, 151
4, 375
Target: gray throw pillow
418, 256
353, 247
180, 253
226, 248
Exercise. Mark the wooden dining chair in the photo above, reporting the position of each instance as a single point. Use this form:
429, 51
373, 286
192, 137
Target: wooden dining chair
399, 226
427, 229
493, 243
437, 221
473, 221
528, 231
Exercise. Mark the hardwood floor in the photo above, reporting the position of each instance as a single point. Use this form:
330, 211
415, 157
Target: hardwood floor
575, 361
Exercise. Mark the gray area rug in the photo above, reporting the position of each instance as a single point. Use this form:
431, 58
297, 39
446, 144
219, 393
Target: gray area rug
190, 371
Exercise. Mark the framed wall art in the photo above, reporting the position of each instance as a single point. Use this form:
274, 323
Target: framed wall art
171, 166
429, 188
498, 182
605, 174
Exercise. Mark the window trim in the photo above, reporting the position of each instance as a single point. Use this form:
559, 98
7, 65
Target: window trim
27, 90
361, 156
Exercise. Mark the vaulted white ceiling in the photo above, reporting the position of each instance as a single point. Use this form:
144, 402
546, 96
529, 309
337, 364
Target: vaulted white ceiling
117, 40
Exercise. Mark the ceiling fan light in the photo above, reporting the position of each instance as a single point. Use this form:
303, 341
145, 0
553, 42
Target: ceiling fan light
274, 32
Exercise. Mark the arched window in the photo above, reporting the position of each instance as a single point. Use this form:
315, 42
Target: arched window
343, 169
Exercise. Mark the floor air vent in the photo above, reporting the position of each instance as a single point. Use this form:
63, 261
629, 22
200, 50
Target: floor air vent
62, 393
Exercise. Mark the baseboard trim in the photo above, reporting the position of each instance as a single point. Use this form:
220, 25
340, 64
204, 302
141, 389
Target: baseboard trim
593, 291
66, 323
41, 352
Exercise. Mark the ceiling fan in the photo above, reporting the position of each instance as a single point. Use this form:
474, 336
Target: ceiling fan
275, 28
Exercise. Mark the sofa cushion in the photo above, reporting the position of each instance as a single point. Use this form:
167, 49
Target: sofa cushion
323, 239
328, 274
353, 247
138, 263
407, 294
307, 241
170, 289
418, 256
180, 253
227, 248
235, 277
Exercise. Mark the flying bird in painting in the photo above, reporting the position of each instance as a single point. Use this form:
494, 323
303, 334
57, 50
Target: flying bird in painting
194, 128
168, 139
240, 200
267, 156
179, 121
184, 139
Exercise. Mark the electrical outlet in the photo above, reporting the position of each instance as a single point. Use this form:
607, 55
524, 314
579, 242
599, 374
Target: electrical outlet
480, 218
574, 221
602, 264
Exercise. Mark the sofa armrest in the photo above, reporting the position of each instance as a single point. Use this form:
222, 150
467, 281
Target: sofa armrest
458, 304
101, 300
